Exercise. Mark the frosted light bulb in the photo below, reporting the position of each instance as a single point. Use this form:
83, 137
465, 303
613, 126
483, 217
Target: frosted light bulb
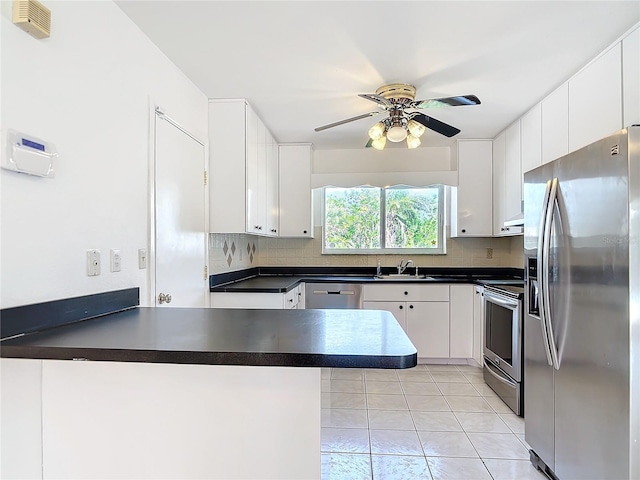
396, 134
379, 143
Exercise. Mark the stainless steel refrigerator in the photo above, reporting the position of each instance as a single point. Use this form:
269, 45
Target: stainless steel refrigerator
582, 311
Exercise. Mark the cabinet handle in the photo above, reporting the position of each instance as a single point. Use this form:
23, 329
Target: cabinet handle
273, 230
411, 306
401, 307
406, 293
464, 230
257, 227
304, 231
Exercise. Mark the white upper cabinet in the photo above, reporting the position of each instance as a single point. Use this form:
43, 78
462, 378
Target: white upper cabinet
240, 166
531, 138
498, 183
296, 208
272, 208
228, 124
595, 100
471, 202
512, 172
253, 172
555, 124
631, 78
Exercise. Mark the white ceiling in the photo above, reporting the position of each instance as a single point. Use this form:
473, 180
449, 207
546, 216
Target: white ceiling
301, 64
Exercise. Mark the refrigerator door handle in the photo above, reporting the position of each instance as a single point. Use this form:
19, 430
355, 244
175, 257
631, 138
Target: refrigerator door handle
541, 267
546, 249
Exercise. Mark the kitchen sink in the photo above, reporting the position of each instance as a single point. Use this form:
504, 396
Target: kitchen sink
403, 276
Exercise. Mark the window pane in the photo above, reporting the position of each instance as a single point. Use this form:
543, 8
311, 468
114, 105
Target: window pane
411, 218
352, 218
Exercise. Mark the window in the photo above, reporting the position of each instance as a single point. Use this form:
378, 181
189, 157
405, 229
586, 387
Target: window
383, 220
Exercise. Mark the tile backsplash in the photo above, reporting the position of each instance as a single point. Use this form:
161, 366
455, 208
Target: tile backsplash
230, 252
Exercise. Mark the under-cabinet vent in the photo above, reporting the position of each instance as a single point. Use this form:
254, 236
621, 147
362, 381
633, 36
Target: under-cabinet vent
33, 17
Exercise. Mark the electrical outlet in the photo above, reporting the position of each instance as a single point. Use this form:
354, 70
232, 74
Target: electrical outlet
93, 263
116, 260
142, 258
489, 252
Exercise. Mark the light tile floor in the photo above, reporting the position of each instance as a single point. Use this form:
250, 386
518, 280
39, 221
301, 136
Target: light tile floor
428, 422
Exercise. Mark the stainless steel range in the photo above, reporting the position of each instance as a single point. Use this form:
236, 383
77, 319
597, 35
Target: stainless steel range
503, 343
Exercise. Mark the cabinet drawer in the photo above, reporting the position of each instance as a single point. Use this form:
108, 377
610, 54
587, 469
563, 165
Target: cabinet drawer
407, 292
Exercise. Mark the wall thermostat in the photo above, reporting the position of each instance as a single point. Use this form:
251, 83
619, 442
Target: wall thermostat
28, 154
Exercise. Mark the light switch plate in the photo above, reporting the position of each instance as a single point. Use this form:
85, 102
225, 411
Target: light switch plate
142, 258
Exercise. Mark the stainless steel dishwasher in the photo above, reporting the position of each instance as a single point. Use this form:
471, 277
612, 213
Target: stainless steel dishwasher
333, 295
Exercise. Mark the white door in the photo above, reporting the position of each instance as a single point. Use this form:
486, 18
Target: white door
180, 239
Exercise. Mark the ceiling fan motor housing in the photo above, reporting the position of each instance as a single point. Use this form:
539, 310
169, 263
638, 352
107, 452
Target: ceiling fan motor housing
397, 91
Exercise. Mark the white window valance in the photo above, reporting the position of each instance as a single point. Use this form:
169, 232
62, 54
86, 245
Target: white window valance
419, 167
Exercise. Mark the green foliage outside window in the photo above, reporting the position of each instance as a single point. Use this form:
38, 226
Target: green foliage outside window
368, 218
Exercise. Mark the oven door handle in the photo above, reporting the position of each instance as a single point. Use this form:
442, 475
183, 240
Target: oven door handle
500, 300
490, 369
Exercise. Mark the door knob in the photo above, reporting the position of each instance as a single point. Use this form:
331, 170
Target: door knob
162, 298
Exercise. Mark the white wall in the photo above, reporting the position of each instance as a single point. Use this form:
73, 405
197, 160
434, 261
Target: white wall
88, 89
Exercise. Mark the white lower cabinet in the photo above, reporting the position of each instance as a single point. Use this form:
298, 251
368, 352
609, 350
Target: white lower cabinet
292, 299
438, 319
461, 321
428, 328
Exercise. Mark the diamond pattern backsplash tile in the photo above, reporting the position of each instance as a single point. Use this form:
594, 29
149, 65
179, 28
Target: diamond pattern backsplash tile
227, 252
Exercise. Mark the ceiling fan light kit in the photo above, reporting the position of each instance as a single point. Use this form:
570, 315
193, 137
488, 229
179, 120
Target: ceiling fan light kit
379, 143
413, 141
398, 99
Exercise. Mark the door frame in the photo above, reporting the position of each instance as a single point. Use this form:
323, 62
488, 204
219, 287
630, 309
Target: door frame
155, 110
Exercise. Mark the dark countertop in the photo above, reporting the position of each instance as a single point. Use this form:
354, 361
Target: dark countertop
273, 281
299, 338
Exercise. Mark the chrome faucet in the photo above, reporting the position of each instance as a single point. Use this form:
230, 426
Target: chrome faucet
403, 266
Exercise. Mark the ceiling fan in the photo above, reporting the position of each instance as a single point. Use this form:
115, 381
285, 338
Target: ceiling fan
404, 120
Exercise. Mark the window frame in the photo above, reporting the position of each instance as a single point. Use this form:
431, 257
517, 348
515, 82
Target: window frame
442, 250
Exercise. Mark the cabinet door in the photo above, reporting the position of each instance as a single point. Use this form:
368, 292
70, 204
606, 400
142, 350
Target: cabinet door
595, 100
555, 124
461, 321
498, 183
253, 180
272, 186
531, 139
428, 328
512, 172
631, 78
478, 323
397, 308
296, 215
227, 166
472, 215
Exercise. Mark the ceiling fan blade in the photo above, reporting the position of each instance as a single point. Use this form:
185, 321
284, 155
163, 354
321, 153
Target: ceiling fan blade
436, 125
374, 97
342, 122
447, 102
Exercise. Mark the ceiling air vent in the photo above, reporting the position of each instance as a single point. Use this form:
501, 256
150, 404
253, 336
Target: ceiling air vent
33, 17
